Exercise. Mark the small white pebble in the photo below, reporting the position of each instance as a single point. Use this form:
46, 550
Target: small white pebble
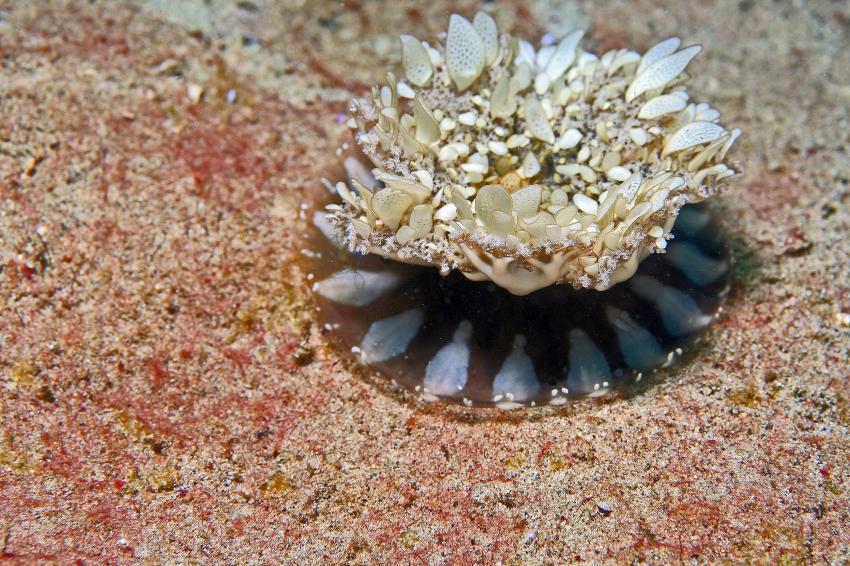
559, 198
471, 167
405, 91
460, 148
386, 96
569, 139
464, 190
585, 203
588, 174
446, 213
656, 231
638, 136
195, 92
447, 124
517, 140
425, 178
568, 170
497, 147
583, 154
467, 118
447, 153
618, 173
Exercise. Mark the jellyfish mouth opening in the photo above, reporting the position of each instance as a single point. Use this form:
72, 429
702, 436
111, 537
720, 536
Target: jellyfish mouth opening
446, 338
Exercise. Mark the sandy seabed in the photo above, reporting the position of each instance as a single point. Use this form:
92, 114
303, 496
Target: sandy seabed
167, 396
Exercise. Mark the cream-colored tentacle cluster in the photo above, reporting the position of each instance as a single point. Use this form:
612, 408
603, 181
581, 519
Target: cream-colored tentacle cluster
529, 167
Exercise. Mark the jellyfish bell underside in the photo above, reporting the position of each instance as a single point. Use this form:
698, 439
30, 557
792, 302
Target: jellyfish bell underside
451, 339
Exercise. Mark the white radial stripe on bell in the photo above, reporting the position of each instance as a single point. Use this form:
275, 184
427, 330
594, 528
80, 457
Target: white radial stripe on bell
446, 373
680, 314
588, 365
639, 347
320, 221
516, 380
389, 337
355, 169
697, 267
357, 288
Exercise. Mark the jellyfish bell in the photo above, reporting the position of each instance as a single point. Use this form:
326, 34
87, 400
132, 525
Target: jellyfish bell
509, 218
